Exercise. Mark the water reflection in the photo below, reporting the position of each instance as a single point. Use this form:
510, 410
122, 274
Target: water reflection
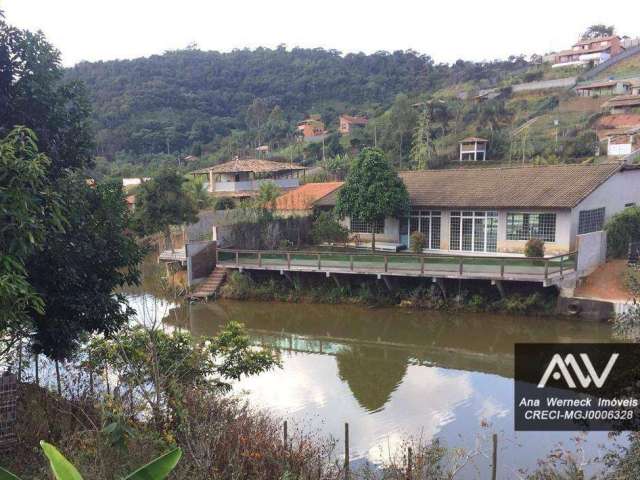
393, 373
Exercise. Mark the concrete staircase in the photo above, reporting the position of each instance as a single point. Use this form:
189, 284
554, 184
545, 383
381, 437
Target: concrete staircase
211, 285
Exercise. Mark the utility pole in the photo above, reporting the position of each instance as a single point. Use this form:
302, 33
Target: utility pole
375, 135
323, 148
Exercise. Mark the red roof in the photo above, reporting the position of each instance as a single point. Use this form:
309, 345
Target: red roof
355, 120
617, 121
303, 197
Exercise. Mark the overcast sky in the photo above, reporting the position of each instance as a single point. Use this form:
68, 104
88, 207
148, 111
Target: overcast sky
446, 30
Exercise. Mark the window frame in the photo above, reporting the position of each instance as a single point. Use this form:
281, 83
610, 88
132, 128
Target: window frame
365, 227
529, 229
597, 216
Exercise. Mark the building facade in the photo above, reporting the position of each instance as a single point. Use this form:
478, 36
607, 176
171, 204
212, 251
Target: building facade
589, 51
243, 178
497, 210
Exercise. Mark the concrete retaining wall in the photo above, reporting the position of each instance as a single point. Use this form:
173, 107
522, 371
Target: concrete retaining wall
592, 251
545, 84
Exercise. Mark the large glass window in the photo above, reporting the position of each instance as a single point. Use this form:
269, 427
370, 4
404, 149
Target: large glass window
428, 223
524, 226
358, 226
474, 231
590, 220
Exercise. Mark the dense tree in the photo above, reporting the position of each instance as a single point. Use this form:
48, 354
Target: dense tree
33, 94
205, 96
78, 270
162, 202
372, 191
88, 255
598, 30
28, 209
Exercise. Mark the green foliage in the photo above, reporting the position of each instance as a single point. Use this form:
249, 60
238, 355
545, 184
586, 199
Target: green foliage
77, 271
622, 228
418, 242
195, 188
327, 229
534, 248
162, 202
423, 150
28, 208
339, 165
159, 468
267, 196
372, 190
598, 30
33, 94
63, 469
223, 203
170, 362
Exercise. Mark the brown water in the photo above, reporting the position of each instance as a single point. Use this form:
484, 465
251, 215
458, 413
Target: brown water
393, 373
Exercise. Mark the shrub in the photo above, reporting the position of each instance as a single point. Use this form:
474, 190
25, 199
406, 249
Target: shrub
223, 203
418, 242
534, 248
326, 228
623, 228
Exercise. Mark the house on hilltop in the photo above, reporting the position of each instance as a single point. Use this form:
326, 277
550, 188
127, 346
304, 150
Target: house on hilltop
473, 149
589, 51
496, 210
604, 88
312, 128
242, 178
348, 123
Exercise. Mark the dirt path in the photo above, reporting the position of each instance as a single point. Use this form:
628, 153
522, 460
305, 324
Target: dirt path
606, 283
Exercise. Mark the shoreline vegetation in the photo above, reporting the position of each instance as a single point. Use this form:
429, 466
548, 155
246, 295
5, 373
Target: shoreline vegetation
407, 293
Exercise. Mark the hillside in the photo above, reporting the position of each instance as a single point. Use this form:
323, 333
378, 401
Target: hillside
183, 99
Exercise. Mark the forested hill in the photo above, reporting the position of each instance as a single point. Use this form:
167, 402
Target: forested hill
191, 98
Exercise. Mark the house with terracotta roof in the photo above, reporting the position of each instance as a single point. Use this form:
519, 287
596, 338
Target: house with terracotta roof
620, 133
604, 88
312, 129
348, 123
473, 149
589, 51
623, 104
301, 201
242, 178
496, 210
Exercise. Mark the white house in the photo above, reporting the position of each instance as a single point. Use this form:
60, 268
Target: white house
496, 210
242, 178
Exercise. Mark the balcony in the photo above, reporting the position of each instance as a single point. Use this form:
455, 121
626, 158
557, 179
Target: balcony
253, 185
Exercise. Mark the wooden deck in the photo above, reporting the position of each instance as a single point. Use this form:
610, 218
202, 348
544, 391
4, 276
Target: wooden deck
548, 270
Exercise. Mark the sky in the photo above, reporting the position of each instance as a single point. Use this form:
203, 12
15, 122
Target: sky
447, 30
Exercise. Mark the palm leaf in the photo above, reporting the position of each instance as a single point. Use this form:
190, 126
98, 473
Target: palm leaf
62, 468
7, 475
159, 468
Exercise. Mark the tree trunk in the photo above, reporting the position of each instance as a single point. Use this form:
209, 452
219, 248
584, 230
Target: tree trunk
373, 241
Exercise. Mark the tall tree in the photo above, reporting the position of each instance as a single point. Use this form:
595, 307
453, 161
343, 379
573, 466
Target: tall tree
423, 149
86, 257
28, 208
598, 30
162, 202
372, 191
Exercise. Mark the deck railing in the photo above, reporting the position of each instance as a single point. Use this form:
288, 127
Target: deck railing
398, 263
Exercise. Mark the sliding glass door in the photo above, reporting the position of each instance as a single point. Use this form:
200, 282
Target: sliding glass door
474, 231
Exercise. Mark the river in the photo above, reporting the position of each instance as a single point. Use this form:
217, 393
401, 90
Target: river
392, 373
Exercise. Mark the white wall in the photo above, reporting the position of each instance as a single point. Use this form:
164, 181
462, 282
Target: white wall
620, 189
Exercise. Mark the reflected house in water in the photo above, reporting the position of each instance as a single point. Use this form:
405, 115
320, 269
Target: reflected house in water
243, 178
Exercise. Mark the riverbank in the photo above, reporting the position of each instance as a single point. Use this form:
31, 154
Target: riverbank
447, 295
